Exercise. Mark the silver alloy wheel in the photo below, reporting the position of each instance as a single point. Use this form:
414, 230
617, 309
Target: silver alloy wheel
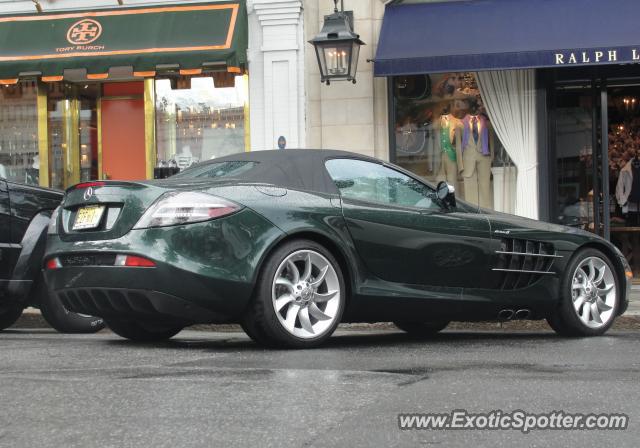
593, 290
306, 294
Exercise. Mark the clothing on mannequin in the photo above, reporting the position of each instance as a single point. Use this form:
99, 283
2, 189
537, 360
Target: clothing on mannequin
477, 155
634, 194
625, 186
449, 143
476, 132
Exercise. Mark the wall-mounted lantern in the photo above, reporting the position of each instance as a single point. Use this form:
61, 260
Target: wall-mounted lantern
337, 47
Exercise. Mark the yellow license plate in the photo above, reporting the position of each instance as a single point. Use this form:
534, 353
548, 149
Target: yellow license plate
88, 217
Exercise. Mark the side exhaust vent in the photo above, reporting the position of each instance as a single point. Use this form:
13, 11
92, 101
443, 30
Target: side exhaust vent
523, 262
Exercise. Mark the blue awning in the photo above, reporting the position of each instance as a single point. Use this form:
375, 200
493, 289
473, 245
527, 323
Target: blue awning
506, 34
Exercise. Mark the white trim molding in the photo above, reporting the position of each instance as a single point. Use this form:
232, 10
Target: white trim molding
276, 73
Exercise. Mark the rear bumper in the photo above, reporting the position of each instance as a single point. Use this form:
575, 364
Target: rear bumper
163, 293
139, 305
203, 272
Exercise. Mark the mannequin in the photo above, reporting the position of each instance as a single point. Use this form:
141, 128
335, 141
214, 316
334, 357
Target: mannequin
449, 137
628, 191
477, 154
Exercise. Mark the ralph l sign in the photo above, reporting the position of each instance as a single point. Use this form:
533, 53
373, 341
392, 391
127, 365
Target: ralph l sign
605, 56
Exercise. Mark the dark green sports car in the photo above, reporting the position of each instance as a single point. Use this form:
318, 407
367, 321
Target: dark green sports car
290, 243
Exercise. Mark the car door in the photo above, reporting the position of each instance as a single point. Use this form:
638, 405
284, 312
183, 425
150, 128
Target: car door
404, 234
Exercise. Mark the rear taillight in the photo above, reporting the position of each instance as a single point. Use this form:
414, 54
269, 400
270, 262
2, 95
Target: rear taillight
134, 261
53, 263
185, 208
89, 184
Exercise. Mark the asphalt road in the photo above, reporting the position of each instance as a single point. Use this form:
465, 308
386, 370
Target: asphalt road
220, 390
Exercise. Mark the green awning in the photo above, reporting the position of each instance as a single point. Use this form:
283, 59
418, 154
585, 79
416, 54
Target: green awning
190, 35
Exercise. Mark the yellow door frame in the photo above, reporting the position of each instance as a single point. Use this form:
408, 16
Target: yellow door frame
43, 134
99, 133
71, 138
150, 125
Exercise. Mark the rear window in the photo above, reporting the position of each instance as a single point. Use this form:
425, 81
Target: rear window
217, 170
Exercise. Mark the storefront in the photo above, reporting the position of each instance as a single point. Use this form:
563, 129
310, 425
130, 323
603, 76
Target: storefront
126, 93
513, 103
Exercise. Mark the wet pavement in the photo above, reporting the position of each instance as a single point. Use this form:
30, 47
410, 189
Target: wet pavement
221, 390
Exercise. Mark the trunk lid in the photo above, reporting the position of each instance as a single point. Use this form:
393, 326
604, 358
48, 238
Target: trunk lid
123, 202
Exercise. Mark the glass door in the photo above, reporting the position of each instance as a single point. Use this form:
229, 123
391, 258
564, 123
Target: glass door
623, 164
579, 200
597, 160
72, 133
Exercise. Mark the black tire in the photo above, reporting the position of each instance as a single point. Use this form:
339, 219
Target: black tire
565, 320
143, 332
260, 321
9, 315
63, 320
421, 329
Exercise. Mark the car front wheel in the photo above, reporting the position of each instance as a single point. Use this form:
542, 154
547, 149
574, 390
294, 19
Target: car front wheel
590, 296
299, 298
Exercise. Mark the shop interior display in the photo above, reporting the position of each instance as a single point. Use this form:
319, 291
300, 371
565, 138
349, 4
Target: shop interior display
442, 132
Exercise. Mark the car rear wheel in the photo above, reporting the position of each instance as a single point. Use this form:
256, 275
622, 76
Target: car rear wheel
9, 315
143, 332
421, 329
299, 297
590, 296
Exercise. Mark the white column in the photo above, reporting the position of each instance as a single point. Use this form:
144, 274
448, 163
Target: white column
276, 81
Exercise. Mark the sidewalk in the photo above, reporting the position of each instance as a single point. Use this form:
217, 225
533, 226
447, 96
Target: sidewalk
634, 302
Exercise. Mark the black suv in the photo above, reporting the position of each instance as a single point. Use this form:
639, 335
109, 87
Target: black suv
25, 212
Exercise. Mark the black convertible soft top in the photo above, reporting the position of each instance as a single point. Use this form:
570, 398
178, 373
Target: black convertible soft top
299, 169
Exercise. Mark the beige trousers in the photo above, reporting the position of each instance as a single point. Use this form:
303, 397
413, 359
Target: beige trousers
477, 178
448, 171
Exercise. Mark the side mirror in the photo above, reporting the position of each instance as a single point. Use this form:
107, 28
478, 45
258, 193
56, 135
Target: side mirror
446, 193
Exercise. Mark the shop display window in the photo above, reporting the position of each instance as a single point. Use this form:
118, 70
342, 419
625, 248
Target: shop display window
443, 132
19, 156
201, 122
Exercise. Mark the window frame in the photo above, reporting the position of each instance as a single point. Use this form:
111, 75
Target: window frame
441, 207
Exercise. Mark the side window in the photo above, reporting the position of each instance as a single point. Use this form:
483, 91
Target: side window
358, 179
216, 170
